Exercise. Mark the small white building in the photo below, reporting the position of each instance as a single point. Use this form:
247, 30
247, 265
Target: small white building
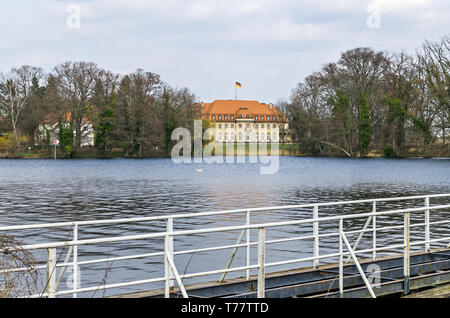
49, 131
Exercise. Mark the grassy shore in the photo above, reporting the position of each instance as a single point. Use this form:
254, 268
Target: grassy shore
238, 150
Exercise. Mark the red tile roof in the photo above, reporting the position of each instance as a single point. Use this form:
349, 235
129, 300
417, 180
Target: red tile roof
244, 108
52, 118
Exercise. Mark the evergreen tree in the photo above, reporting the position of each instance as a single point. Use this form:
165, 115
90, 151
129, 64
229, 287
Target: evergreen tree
169, 121
105, 132
365, 130
343, 117
66, 138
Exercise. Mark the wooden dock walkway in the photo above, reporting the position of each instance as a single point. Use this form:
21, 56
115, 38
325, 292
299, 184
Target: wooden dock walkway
351, 265
427, 269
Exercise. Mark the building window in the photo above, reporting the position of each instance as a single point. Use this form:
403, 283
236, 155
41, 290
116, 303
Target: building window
232, 136
268, 136
213, 117
274, 118
247, 125
257, 136
220, 117
240, 136
274, 136
248, 116
262, 137
281, 118
274, 125
262, 125
226, 136
256, 126
226, 117
220, 136
240, 116
240, 125
256, 117
262, 117
219, 125
232, 125
226, 125
232, 117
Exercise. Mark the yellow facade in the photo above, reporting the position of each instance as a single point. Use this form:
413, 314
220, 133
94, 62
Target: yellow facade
246, 121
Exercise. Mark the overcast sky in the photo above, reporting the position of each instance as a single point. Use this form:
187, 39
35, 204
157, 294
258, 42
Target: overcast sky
206, 45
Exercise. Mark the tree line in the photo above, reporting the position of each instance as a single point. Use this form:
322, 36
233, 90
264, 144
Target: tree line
366, 102
135, 112
369, 101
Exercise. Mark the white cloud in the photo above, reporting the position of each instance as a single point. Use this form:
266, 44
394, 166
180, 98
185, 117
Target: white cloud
208, 44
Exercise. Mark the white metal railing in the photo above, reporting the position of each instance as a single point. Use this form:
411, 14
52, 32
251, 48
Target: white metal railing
171, 274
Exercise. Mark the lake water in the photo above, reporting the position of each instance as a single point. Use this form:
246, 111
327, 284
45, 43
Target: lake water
42, 191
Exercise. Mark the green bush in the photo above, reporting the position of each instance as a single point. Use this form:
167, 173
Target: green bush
9, 144
389, 152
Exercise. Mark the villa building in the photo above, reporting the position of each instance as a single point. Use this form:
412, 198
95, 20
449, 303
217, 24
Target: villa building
246, 121
49, 130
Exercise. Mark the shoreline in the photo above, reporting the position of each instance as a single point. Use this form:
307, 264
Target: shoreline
284, 154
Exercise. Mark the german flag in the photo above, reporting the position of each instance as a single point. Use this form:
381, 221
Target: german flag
238, 85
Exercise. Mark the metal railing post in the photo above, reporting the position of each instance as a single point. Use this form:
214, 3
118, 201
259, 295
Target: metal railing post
427, 225
169, 229
261, 262
168, 250
51, 272
374, 227
75, 261
406, 254
248, 246
341, 259
316, 236
166, 268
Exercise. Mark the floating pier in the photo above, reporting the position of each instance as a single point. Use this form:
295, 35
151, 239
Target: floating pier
380, 268
427, 269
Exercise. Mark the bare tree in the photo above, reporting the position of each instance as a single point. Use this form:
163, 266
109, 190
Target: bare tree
75, 82
14, 90
12, 100
138, 96
433, 62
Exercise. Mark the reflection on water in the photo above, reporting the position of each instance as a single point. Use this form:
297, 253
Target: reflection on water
41, 191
